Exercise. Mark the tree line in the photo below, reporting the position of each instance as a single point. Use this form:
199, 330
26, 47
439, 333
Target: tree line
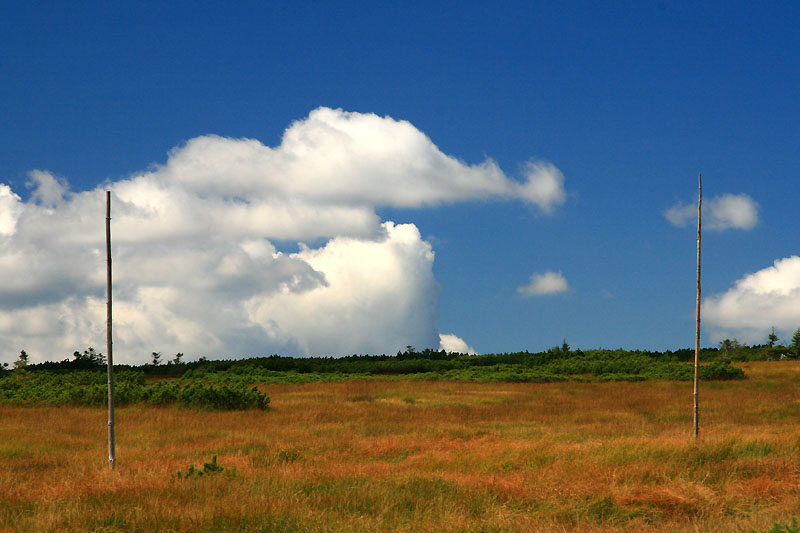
412, 360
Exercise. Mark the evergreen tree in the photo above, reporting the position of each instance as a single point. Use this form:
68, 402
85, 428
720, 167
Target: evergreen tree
796, 344
772, 338
89, 358
725, 345
22, 362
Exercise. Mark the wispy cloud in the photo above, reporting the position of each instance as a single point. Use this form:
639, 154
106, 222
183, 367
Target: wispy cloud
728, 211
548, 282
544, 186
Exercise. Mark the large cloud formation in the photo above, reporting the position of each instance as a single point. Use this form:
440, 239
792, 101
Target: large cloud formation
756, 303
196, 268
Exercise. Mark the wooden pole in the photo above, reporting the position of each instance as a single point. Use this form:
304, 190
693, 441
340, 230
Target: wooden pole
112, 457
697, 326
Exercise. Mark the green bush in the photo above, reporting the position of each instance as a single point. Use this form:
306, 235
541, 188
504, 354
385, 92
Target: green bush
90, 388
209, 468
222, 397
792, 527
165, 392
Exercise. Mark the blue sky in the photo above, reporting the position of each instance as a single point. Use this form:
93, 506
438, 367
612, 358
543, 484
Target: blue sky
627, 101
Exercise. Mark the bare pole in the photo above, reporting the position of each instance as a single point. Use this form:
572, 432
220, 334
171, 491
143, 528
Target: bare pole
112, 457
697, 326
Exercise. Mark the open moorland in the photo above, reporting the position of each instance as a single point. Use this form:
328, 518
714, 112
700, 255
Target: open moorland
418, 455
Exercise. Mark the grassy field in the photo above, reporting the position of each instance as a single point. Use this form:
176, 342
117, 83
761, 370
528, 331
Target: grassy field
420, 456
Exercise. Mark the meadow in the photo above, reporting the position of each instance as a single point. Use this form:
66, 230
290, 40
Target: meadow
419, 455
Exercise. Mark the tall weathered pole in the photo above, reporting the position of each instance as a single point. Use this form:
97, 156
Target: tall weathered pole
697, 326
112, 457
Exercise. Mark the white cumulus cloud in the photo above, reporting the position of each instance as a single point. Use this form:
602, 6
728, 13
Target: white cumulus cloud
756, 303
548, 282
196, 266
728, 211
375, 294
10, 209
455, 344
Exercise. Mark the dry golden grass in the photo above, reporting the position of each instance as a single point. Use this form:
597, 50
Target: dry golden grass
420, 456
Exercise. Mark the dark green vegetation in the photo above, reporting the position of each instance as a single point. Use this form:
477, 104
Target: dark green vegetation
792, 527
208, 469
557, 364
229, 384
34, 386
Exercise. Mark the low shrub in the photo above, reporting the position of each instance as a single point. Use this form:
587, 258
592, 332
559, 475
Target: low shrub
90, 388
777, 527
222, 397
209, 468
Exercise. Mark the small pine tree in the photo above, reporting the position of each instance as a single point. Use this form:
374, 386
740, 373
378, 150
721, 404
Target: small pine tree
22, 362
772, 338
89, 357
156, 358
177, 359
97, 358
796, 344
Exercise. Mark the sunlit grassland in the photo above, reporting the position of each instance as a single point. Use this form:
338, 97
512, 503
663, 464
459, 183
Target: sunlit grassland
420, 456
